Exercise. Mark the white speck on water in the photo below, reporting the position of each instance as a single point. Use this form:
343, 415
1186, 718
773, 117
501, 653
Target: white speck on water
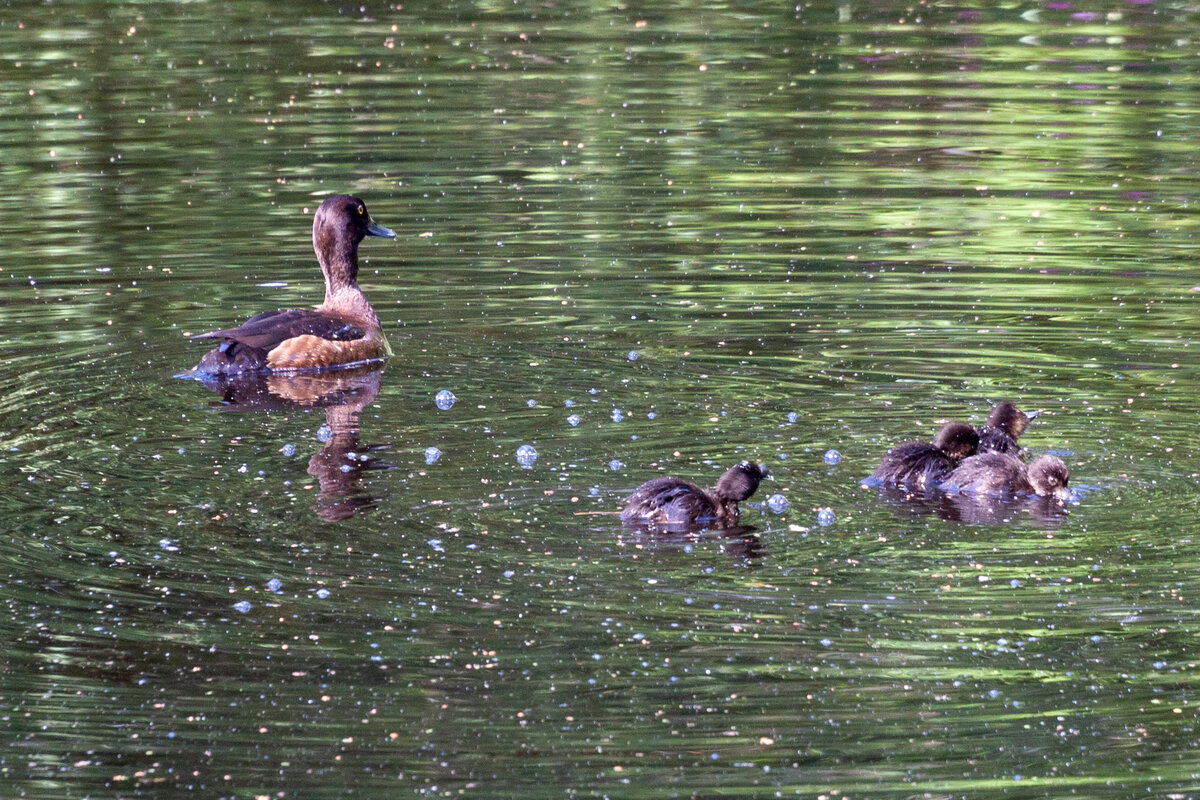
651, 414
242, 606
792, 416
574, 420
432, 454
833, 457
593, 390
568, 403
777, 503
288, 450
508, 573
445, 399
615, 465
322, 593
168, 545
1014, 583
531, 403
274, 585
633, 355
617, 416
243, 469
826, 642
526, 455
346, 468
324, 434
436, 544
826, 517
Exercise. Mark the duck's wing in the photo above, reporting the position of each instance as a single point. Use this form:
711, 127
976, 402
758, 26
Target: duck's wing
269, 329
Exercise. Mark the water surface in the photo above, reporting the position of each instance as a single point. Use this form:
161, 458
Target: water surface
681, 227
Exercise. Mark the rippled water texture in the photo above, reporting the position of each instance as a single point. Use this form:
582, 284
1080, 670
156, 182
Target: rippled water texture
633, 241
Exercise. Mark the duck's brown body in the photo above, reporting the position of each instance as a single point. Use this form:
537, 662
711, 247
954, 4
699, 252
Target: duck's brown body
920, 465
342, 331
672, 502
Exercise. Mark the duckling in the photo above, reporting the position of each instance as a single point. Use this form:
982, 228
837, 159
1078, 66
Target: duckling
997, 473
920, 465
342, 331
1003, 427
678, 503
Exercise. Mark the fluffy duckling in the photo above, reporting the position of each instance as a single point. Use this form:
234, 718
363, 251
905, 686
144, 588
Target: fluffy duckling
1003, 427
672, 502
920, 465
998, 473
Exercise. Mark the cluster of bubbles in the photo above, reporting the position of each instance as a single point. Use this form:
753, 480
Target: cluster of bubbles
527, 454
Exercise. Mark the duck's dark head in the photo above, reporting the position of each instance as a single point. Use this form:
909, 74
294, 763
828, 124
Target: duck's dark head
740, 481
957, 440
1009, 419
1048, 476
339, 225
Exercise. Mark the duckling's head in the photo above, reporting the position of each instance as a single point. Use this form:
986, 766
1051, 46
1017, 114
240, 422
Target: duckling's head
1048, 476
1010, 419
339, 225
957, 440
740, 481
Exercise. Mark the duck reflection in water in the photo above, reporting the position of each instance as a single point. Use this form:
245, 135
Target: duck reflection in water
340, 464
976, 509
736, 541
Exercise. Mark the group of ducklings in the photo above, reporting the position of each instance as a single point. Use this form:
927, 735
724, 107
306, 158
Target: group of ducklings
984, 460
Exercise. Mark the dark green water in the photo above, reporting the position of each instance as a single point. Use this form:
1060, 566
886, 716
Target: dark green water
875, 218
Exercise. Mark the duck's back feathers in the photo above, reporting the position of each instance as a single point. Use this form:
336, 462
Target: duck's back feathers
271, 328
918, 465
669, 501
288, 340
989, 473
994, 440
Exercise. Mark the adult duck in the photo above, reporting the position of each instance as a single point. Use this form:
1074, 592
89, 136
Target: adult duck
341, 332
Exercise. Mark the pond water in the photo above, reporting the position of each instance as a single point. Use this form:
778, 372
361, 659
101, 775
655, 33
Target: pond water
640, 240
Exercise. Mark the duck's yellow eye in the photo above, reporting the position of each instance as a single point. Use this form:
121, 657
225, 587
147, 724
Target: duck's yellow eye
360, 210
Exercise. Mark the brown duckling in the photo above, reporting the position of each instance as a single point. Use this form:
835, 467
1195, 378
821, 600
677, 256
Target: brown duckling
920, 465
999, 473
342, 331
1003, 427
672, 502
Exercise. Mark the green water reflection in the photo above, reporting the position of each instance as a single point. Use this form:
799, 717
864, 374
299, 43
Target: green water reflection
637, 238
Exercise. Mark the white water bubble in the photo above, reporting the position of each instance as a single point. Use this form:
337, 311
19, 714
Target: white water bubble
526, 455
445, 399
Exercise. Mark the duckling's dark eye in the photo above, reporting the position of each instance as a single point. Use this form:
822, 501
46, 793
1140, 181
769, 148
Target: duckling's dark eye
360, 210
